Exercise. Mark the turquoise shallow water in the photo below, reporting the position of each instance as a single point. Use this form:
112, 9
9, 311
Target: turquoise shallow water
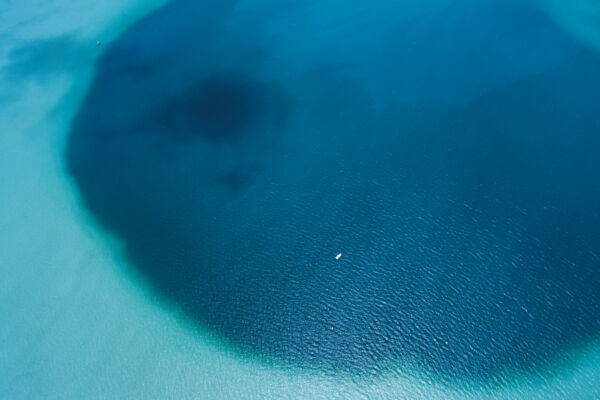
84, 302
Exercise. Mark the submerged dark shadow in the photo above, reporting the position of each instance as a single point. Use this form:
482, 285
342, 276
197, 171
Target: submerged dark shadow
216, 108
470, 235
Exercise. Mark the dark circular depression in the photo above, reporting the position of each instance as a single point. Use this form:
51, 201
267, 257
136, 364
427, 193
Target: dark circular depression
470, 234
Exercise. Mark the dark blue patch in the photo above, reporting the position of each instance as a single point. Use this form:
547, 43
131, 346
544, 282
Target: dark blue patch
217, 108
470, 234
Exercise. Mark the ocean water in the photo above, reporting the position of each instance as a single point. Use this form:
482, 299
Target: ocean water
173, 199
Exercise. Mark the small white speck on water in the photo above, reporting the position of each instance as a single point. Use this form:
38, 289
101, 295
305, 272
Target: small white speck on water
338, 256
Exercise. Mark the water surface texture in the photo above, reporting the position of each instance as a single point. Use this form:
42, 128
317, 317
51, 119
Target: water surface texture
451, 156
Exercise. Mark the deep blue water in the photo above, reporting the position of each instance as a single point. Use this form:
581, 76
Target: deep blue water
452, 156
